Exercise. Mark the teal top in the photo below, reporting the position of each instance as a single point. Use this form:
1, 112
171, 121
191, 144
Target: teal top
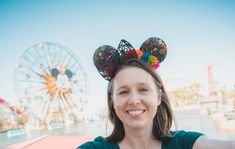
181, 140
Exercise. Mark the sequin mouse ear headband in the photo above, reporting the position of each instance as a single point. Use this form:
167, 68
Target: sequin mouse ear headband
108, 60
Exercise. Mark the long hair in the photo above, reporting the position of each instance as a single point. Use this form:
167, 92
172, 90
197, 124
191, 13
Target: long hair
163, 119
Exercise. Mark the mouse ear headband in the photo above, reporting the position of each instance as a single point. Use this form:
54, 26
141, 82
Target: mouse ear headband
108, 60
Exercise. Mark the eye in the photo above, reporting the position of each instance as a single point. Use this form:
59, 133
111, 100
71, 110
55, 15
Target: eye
123, 92
143, 90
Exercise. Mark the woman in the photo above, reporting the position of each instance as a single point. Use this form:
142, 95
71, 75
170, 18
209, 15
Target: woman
138, 104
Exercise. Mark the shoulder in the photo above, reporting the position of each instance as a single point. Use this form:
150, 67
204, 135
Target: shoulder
206, 143
98, 143
182, 135
182, 139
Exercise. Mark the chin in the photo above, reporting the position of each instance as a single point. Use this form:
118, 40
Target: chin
136, 125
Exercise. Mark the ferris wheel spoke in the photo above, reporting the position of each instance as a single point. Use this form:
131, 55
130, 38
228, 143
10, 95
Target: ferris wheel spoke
35, 91
28, 61
71, 100
46, 107
36, 52
33, 70
72, 65
70, 61
40, 52
59, 54
49, 62
74, 106
50, 111
39, 68
64, 102
30, 78
29, 91
30, 81
62, 106
51, 107
29, 69
64, 61
78, 90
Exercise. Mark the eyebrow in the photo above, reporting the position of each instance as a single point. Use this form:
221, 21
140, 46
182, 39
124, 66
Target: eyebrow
141, 84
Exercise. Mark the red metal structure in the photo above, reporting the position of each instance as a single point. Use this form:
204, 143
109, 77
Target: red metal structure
9, 106
211, 82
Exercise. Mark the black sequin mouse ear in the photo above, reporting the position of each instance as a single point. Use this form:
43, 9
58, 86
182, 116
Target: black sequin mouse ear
156, 47
107, 61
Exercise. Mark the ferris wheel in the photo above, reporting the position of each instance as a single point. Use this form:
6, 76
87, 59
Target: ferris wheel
51, 83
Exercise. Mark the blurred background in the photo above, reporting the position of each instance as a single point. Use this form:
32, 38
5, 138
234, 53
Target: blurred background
49, 84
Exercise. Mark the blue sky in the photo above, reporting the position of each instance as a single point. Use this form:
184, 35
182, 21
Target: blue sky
197, 33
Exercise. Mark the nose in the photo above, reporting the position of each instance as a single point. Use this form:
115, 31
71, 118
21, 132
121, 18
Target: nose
134, 98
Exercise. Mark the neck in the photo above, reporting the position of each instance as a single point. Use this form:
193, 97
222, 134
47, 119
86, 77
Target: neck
139, 139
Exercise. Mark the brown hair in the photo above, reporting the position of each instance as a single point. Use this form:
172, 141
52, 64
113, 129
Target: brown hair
163, 119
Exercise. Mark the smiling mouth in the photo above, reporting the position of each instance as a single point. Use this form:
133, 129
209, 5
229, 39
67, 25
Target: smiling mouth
135, 112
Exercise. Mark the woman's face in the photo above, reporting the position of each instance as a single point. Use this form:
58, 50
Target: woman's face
135, 97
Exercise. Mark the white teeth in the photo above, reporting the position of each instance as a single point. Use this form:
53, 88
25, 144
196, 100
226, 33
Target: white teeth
136, 112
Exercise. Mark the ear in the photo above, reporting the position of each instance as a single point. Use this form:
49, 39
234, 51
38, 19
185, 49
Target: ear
107, 61
54, 72
69, 73
159, 101
156, 47
159, 97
